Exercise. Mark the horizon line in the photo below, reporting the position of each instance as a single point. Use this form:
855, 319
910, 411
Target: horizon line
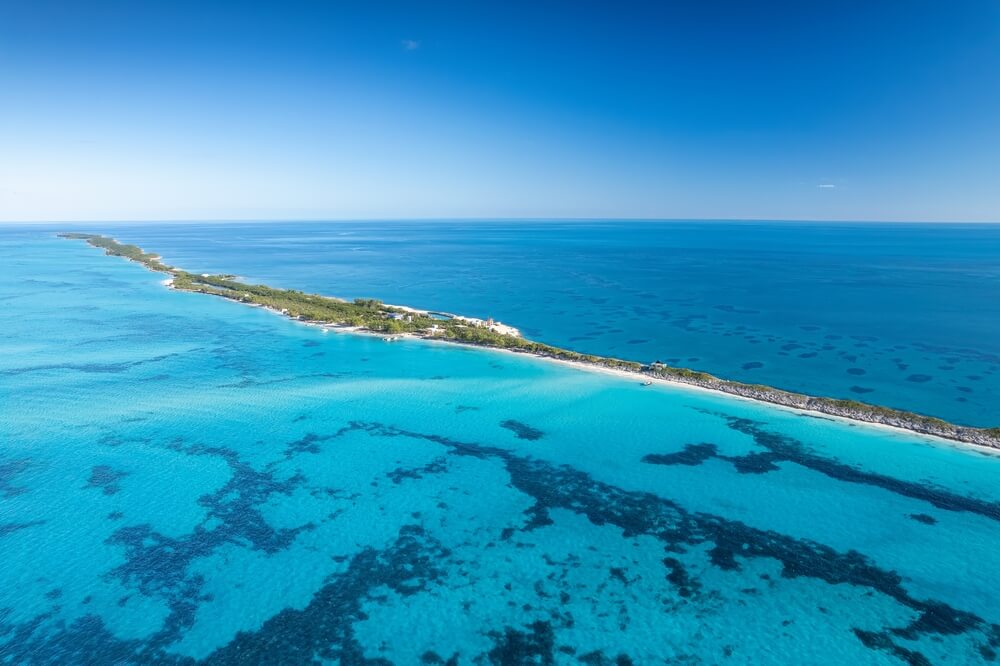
319, 220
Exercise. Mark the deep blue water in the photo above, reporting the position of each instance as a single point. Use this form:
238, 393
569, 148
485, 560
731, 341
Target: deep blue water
187, 479
901, 315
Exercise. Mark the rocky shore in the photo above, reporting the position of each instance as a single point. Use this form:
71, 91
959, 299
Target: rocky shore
848, 409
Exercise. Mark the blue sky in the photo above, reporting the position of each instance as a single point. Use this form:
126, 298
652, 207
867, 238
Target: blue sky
308, 109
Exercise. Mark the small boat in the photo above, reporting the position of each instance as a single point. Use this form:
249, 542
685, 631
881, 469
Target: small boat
647, 383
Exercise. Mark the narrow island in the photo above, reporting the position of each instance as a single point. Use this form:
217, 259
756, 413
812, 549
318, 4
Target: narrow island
374, 316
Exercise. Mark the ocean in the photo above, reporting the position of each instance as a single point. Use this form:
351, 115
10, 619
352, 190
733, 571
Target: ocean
901, 315
185, 479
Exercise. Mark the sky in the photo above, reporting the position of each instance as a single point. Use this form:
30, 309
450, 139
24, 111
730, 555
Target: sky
308, 109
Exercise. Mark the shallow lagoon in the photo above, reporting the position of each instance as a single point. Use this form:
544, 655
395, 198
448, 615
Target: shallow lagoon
192, 479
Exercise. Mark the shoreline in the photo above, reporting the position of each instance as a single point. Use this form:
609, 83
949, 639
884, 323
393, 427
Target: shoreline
372, 317
666, 382
701, 390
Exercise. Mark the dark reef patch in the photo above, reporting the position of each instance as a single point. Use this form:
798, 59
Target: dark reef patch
638, 513
678, 576
250, 382
919, 379
856, 371
883, 642
309, 443
924, 518
522, 430
9, 470
159, 566
105, 478
754, 463
783, 448
696, 454
432, 658
91, 368
513, 647
752, 365
692, 454
436, 466
598, 658
861, 389
9, 528
324, 629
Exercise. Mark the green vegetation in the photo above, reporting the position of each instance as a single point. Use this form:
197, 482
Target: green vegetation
366, 313
113, 247
887, 413
372, 315
661, 370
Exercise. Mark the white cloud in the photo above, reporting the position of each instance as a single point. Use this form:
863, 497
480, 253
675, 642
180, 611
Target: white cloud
827, 186
410, 44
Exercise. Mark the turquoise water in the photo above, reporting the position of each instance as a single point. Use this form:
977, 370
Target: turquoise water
894, 314
188, 479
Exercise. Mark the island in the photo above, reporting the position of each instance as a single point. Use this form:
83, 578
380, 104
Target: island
374, 316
